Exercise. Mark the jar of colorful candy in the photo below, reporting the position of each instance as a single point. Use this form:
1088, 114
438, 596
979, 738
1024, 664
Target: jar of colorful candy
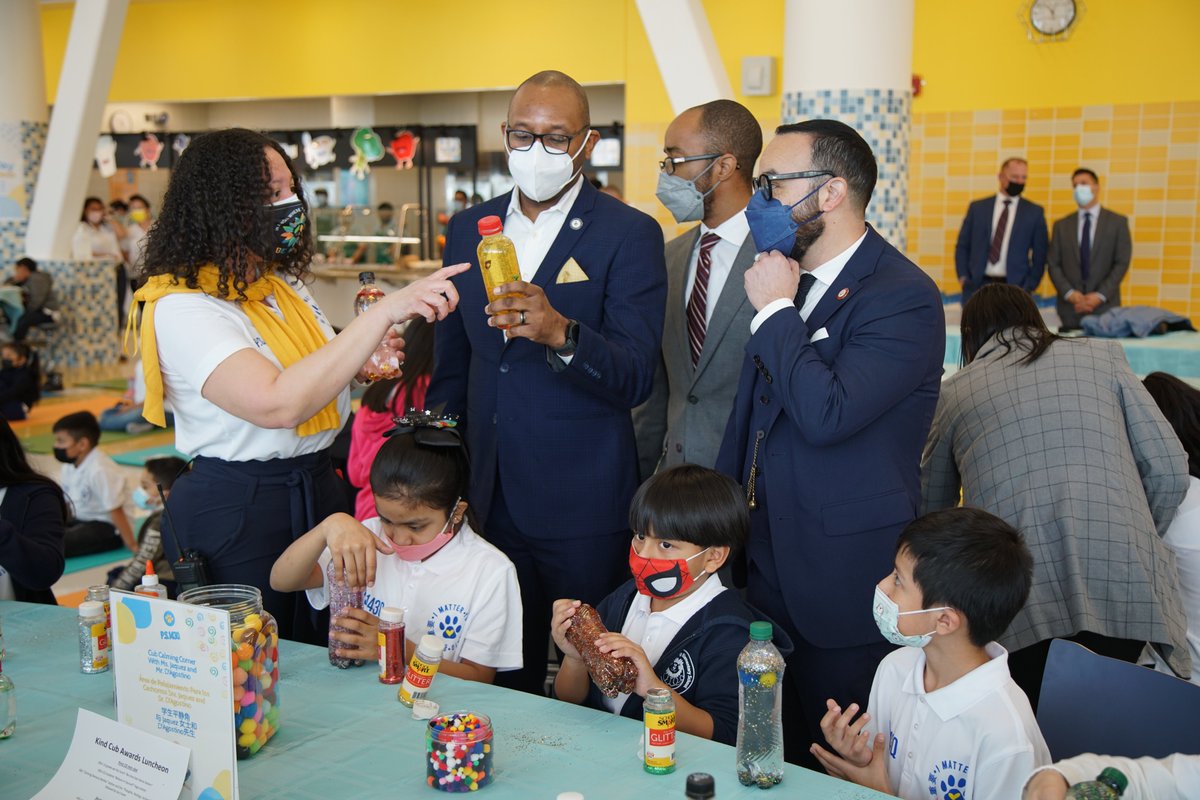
459, 752
254, 637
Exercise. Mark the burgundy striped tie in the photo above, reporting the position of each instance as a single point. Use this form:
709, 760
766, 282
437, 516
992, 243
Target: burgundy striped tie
698, 302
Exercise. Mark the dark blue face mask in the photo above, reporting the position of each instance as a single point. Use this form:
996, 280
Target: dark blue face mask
771, 222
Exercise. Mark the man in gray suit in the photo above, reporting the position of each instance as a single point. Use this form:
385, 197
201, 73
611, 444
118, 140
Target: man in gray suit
1089, 254
711, 150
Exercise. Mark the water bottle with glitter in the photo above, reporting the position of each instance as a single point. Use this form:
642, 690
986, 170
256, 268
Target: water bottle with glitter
760, 721
341, 599
93, 638
1109, 785
8, 705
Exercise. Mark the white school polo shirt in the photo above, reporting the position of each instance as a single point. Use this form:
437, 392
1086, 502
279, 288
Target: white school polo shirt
95, 487
466, 594
195, 333
975, 739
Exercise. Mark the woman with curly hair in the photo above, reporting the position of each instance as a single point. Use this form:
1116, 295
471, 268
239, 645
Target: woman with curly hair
259, 383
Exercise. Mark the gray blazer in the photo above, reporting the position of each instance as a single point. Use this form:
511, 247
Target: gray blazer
685, 416
1073, 451
1112, 250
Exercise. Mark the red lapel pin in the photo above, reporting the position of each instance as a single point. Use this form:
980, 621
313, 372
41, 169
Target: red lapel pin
843, 294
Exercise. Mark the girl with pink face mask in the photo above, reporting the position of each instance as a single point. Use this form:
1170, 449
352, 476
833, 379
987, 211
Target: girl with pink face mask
420, 554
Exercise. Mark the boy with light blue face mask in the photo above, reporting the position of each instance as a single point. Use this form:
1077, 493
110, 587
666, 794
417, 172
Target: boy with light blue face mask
156, 472
948, 720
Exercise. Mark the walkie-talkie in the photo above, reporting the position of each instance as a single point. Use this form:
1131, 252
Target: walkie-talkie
191, 569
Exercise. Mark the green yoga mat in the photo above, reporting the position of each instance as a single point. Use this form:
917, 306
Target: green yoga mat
115, 384
44, 442
79, 563
137, 458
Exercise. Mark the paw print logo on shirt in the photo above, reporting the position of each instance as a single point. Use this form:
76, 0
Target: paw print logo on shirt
449, 626
953, 787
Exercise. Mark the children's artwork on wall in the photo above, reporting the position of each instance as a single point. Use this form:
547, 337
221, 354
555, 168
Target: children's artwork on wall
447, 149
106, 156
318, 151
180, 143
367, 148
148, 150
404, 149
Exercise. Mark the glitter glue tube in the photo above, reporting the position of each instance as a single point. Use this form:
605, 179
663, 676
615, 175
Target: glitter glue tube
93, 638
391, 645
421, 669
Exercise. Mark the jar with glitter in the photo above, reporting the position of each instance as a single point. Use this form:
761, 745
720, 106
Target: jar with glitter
459, 752
254, 639
93, 638
100, 595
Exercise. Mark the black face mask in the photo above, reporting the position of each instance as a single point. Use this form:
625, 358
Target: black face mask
6, 363
1014, 189
290, 221
60, 454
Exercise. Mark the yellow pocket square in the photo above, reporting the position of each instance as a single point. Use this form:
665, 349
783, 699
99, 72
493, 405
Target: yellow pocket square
571, 273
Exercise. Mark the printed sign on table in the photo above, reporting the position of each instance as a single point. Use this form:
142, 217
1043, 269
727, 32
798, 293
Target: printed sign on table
173, 679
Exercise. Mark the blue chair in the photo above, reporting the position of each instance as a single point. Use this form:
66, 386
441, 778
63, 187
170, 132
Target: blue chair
1095, 704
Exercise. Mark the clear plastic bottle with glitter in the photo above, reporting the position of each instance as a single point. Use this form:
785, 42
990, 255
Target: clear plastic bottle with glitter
8, 705
341, 599
760, 721
1110, 784
93, 638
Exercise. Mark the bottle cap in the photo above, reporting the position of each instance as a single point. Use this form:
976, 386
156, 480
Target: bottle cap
366, 277
489, 226
91, 608
431, 643
761, 631
150, 578
701, 785
1114, 778
389, 614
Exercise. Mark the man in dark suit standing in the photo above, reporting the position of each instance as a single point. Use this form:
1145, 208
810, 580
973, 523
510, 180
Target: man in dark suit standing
711, 151
545, 373
834, 403
1089, 255
1003, 237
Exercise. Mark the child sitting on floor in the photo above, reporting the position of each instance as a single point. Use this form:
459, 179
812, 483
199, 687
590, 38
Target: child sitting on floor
156, 472
949, 719
677, 622
95, 487
419, 554
19, 379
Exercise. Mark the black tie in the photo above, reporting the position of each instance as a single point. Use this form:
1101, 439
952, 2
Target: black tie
1085, 249
806, 283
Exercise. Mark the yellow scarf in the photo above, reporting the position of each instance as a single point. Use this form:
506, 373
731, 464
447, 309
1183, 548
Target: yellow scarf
292, 338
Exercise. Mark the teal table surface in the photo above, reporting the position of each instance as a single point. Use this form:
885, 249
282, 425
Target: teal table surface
344, 735
1177, 353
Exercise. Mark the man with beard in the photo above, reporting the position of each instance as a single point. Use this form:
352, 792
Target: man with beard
706, 176
832, 411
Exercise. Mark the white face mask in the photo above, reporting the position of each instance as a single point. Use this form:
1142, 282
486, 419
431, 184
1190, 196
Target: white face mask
95, 217
887, 617
541, 175
1084, 195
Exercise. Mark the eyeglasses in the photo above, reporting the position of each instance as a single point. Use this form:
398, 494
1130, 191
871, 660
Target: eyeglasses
763, 182
553, 143
667, 165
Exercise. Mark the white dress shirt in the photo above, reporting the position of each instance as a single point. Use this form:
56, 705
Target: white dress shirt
825, 274
733, 233
653, 631
1000, 268
533, 238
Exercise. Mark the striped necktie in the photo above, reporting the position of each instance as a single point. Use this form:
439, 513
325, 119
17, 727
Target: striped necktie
696, 324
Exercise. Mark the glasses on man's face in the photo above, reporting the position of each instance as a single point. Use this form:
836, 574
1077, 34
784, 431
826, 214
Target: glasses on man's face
765, 181
553, 143
667, 165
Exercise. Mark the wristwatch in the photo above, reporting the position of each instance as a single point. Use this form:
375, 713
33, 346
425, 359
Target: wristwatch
572, 342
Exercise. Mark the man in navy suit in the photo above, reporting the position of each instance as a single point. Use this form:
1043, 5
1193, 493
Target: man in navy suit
545, 378
833, 406
1003, 238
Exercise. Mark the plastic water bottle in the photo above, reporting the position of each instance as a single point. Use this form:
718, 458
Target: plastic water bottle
341, 599
760, 723
1109, 785
8, 705
497, 257
384, 363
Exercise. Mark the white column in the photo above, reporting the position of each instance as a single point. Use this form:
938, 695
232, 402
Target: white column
686, 52
851, 60
87, 71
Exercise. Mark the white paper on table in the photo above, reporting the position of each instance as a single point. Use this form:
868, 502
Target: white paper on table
108, 760
174, 680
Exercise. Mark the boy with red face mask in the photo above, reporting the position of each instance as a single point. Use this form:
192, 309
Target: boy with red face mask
674, 619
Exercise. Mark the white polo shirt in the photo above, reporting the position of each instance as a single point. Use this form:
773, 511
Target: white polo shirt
466, 594
976, 739
196, 332
654, 630
95, 487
